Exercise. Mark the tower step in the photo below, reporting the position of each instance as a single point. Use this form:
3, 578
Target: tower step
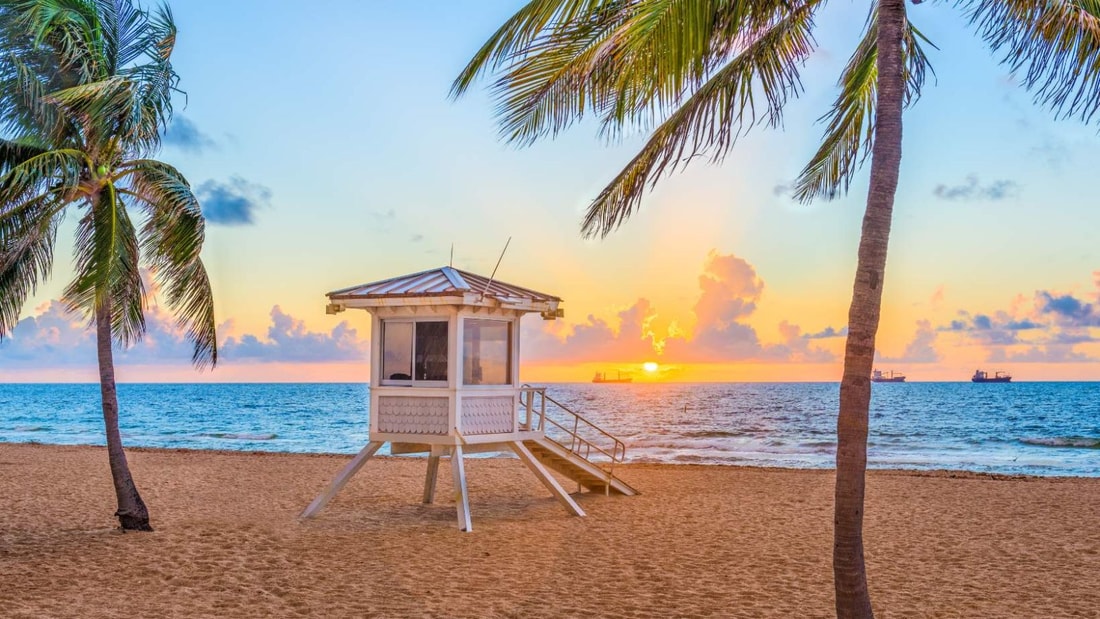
576, 468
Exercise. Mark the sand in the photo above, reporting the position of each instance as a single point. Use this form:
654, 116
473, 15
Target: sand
710, 541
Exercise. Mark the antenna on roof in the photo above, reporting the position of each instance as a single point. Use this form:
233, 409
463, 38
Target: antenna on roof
452, 262
494, 274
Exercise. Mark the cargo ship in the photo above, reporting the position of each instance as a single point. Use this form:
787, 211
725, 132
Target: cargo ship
981, 376
602, 377
878, 376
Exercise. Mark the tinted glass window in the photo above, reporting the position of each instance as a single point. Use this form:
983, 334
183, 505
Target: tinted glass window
486, 352
397, 340
431, 351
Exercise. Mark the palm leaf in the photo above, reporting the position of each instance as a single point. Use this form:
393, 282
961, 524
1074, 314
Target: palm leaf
25, 112
107, 259
518, 32
56, 170
849, 134
13, 153
628, 62
1054, 45
70, 27
713, 117
27, 240
172, 240
565, 74
669, 48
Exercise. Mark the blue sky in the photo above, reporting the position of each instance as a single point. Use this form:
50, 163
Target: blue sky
328, 154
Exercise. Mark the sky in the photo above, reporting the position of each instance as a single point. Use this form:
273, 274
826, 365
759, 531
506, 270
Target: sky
325, 150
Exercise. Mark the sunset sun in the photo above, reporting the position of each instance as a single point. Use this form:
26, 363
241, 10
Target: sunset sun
650, 366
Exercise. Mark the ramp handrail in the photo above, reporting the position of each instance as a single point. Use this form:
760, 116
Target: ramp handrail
577, 444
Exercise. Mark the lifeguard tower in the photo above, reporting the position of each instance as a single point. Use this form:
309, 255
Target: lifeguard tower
444, 377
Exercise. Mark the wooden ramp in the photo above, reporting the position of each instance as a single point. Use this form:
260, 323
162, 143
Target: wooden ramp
588, 474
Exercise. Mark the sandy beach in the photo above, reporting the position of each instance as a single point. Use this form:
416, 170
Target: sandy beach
701, 541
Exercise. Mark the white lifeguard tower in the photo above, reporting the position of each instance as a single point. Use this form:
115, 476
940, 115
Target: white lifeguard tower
444, 377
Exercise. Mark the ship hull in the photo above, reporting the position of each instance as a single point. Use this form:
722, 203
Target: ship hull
1002, 379
896, 379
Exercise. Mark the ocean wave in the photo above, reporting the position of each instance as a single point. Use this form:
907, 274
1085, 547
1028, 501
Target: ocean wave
242, 436
31, 428
1082, 442
712, 434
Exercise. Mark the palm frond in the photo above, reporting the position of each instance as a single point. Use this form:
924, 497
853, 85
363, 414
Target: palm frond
1054, 45
35, 186
552, 86
627, 62
70, 27
85, 88
849, 134
107, 265
14, 153
172, 240
27, 240
106, 100
56, 170
519, 31
668, 48
26, 76
713, 117
119, 58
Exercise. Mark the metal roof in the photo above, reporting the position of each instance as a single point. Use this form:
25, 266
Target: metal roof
445, 282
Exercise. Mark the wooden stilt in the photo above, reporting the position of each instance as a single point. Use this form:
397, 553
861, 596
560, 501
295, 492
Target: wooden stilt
429, 479
337, 484
546, 478
462, 498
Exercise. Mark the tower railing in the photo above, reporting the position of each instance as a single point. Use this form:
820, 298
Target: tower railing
571, 430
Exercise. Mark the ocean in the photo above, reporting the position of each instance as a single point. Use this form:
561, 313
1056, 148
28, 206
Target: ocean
1015, 428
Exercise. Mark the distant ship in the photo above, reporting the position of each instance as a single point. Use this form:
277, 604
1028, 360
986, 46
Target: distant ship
981, 376
877, 376
602, 377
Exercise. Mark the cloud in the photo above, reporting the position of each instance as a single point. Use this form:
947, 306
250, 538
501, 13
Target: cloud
796, 346
289, 340
1056, 152
233, 203
56, 337
184, 135
783, 190
997, 330
729, 290
1046, 329
827, 333
383, 220
55, 334
921, 349
937, 297
972, 189
1067, 310
594, 339
1051, 353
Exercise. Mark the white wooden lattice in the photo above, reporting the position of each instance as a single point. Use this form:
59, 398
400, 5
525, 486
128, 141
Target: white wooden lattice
488, 415
412, 415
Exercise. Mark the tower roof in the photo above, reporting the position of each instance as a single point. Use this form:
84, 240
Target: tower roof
445, 285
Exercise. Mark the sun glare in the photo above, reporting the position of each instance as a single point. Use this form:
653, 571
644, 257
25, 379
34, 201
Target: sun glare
650, 366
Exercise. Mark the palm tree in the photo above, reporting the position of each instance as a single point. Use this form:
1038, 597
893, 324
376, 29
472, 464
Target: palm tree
703, 72
85, 91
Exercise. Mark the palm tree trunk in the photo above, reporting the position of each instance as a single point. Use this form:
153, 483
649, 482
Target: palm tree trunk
849, 569
132, 513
